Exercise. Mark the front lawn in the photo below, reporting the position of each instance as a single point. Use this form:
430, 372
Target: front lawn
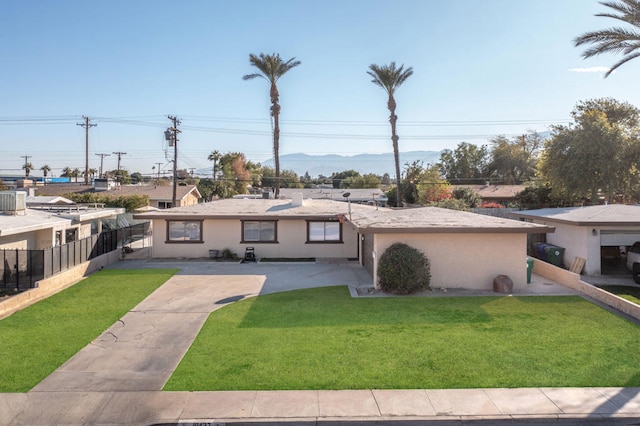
39, 339
324, 339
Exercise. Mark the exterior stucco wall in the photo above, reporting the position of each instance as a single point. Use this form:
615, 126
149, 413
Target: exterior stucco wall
20, 241
468, 261
577, 241
227, 234
581, 241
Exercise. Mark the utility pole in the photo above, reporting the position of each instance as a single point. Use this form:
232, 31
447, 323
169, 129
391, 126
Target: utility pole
158, 164
86, 126
102, 161
173, 134
119, 154
26, 164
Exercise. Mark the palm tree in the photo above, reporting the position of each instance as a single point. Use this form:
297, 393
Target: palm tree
390, 78
75, 173
67, 172
215, 156
615, 39
45, 170
272, 67
27, 168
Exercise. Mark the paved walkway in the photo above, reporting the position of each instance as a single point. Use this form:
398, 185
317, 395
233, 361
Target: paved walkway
117, 379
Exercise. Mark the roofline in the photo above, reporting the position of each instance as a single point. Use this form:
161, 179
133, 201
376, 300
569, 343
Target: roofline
573, 222
455, 230
151, 216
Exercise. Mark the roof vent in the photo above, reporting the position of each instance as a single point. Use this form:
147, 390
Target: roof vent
13, 202
296, 199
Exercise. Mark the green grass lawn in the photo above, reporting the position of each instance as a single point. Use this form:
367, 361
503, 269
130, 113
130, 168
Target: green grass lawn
324, 339
39, 339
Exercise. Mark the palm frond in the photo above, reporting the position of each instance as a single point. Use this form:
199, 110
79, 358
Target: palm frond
616, 40
389, 77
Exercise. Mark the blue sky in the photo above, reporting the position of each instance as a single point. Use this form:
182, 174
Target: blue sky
481, 68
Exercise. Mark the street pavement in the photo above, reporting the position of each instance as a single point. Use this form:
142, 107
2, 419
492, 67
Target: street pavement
118, 378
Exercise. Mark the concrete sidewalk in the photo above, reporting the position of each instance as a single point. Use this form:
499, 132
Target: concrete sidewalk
117, 379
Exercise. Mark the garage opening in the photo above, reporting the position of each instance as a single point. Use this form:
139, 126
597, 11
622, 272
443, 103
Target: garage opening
614, 247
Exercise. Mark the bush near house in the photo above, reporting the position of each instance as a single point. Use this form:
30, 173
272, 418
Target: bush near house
403, 270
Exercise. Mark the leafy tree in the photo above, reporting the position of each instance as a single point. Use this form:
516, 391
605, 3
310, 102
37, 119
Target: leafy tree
390, 78
368, 180
468, 196
338, 177
135, 176
514, 161
431, 187
128, 202
403, 270
465, 165
271, 68
121, 176
288, 178
616, 39
215, 156
536, 195
386, 179
27, 167
451, 204
594, 155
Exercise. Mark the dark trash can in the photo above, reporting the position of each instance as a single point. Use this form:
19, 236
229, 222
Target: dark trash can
554, 255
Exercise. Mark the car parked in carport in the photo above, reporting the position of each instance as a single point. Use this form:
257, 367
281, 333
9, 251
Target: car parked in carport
633, 261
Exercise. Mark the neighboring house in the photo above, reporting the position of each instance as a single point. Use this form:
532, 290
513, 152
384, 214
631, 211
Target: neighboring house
466, 250
26, 228
592, 233
500, 194
159, 196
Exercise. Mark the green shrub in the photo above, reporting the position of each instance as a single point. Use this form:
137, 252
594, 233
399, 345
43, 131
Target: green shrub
403, 270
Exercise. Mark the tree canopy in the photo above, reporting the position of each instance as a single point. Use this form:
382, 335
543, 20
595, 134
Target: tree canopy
596, 156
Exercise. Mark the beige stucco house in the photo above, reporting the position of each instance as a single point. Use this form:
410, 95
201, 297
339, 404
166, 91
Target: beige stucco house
591, 232
466, 250
160, 196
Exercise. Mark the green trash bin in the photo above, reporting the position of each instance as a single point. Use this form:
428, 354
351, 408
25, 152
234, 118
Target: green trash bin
554, 254
529, 269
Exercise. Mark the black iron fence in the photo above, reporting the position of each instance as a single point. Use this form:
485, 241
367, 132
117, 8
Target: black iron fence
21, 269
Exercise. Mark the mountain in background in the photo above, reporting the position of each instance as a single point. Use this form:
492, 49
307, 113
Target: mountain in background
325, 165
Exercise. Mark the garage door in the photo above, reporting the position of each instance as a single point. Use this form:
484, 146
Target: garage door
619, 238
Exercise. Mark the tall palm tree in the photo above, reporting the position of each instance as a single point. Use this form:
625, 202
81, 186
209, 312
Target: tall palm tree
27, 168
75, 173
45, 170
615, 39
272, 67
390, 77
67, 172
215, 156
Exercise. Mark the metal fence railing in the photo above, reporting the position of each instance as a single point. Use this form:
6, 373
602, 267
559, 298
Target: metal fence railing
21, 269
